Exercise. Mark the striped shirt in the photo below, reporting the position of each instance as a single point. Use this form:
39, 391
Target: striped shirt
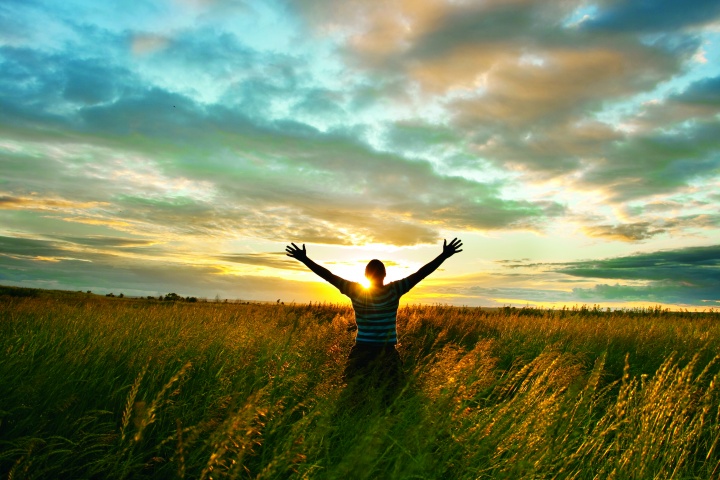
375, 309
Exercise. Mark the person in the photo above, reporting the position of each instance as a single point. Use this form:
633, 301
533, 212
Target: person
374, 353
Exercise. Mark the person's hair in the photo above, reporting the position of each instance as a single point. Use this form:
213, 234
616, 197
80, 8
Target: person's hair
375, 269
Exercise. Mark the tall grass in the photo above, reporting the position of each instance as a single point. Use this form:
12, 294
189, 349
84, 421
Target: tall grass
117, 388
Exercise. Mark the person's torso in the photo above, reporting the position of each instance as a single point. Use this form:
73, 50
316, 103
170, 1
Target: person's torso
376, 314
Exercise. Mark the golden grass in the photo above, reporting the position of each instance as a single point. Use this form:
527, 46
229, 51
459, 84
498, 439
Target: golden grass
121, 388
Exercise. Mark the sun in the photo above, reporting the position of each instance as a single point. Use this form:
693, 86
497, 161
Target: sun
365, 283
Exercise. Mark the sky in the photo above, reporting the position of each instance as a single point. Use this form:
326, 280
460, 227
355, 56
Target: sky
180, 145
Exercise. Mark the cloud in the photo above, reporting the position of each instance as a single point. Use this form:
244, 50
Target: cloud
142, 44
42, 89
626, 233
273, 260
305, 166
549, 151
51, 264
104, 242
151, 278
513, 51
29, 247
683, 276
702, 92
663, 265
562, 83
698, 103
227, 131
656, 163
52, 204
639, 231
527, 86
91, 248
513, 263
86, 84
686, 276
523, 89
659, 15
657, 293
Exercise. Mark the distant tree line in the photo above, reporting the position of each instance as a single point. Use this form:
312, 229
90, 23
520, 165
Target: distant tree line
12, 291
170, 297
173, 297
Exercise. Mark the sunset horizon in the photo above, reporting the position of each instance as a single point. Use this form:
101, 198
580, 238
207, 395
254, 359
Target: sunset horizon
180, 145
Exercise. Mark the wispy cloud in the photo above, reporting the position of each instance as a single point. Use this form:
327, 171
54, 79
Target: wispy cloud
273, 260
687, 276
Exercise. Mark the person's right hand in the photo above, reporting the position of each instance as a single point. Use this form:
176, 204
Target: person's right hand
450, 249
296, 252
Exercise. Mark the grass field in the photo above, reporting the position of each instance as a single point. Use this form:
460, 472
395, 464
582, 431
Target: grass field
96, 387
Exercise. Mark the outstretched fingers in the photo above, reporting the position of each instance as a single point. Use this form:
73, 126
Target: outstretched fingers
294, 251
453, 247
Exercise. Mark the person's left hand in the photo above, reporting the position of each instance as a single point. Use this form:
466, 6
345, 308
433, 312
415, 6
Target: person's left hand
296, 252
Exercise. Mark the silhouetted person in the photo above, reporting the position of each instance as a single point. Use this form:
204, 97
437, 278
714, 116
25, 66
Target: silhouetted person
374, 355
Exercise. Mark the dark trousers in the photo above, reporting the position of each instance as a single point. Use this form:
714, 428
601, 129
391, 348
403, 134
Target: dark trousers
372, 369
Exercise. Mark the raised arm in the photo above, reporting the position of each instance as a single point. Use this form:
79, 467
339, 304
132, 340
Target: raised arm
449, 249
301, 254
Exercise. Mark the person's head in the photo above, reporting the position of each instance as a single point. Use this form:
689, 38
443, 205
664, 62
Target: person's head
375, 272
